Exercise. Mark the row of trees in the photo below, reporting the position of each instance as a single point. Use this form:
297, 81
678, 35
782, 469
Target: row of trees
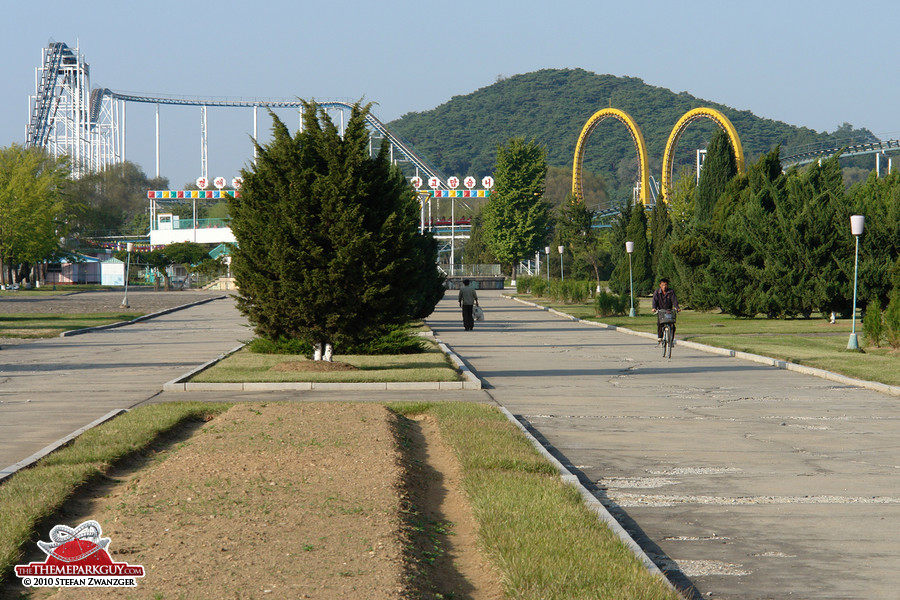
765, 241
39, 205
761, 242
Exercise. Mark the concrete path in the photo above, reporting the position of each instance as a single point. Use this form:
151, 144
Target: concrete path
51, 387
750, 481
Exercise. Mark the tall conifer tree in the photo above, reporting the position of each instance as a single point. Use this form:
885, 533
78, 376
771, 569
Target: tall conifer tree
718, 169
328, 251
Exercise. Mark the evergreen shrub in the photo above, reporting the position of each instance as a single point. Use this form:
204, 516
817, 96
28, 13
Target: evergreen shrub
397, 341
607, 304
873, 323
892, 320
539, 287
282, 345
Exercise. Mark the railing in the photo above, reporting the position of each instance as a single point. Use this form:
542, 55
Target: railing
201, 224
471, 270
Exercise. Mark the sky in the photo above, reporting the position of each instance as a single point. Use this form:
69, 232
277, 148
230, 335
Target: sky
817, 64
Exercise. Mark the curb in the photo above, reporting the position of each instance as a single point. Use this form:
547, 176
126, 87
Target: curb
591, 501
182, 383
891, 390
138, 319
27, 462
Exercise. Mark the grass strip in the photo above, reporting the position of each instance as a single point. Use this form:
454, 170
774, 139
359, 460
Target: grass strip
34, 494
811, 342
42, 325
245, 366
536, 529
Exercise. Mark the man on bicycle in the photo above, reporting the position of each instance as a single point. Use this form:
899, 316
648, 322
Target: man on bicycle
664, 299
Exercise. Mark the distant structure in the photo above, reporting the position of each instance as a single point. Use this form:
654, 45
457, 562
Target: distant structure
69, 117
644, 190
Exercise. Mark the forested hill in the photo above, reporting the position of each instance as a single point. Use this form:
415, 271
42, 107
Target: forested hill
461, 136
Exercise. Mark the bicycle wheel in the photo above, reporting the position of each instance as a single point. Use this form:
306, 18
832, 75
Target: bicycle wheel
665, 339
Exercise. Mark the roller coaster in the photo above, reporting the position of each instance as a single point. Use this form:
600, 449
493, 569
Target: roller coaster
645, 191
68, 117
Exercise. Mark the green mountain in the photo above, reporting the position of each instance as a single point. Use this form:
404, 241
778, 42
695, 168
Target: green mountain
460, 137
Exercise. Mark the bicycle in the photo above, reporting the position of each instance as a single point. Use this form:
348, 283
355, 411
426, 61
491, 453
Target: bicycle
666, 316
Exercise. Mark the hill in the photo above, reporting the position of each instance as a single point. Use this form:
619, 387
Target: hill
552, 105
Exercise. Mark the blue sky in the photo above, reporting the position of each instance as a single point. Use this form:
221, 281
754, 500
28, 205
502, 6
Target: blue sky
811, 63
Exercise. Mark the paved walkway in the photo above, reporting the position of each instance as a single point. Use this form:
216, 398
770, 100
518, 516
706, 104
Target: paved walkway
51, 387
753, 482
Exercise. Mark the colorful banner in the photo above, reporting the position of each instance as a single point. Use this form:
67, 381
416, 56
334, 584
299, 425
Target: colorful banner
460, 193
188, 194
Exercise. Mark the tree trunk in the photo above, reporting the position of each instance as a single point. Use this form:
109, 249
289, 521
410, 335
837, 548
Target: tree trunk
323, 351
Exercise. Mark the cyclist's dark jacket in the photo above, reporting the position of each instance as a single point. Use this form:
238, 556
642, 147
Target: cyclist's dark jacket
665, 300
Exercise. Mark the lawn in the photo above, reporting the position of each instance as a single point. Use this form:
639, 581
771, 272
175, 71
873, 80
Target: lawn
43, 325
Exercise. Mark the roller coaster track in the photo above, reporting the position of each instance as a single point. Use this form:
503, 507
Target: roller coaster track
426, 169
44, 108
806, 154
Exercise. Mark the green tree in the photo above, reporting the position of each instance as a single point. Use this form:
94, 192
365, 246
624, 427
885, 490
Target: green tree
475, 251
186, 254
878, 199
32, 209
718, 170
160, 262
660, 228
328, 249
640, 271
517, 220
112, 201
681, 202
575, 231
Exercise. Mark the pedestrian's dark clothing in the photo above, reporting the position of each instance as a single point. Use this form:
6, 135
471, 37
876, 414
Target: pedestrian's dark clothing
468, 299
664, 301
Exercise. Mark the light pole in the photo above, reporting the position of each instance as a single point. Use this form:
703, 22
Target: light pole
128, 248
857, 224
629, 248
562, 275
547, 250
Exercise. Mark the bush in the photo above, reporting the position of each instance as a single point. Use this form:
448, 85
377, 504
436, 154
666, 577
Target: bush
397, 341
282, 345
539, 287
873, 323
892, 320
607, 304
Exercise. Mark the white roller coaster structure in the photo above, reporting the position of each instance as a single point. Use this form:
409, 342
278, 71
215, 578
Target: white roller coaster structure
67, 117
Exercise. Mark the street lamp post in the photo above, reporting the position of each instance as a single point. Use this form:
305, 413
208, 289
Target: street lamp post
857, 224
562, 275
128, 248
629, 248
547, 251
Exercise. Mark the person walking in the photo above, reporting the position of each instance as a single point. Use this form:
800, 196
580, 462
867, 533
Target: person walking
664, 299
468, 300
